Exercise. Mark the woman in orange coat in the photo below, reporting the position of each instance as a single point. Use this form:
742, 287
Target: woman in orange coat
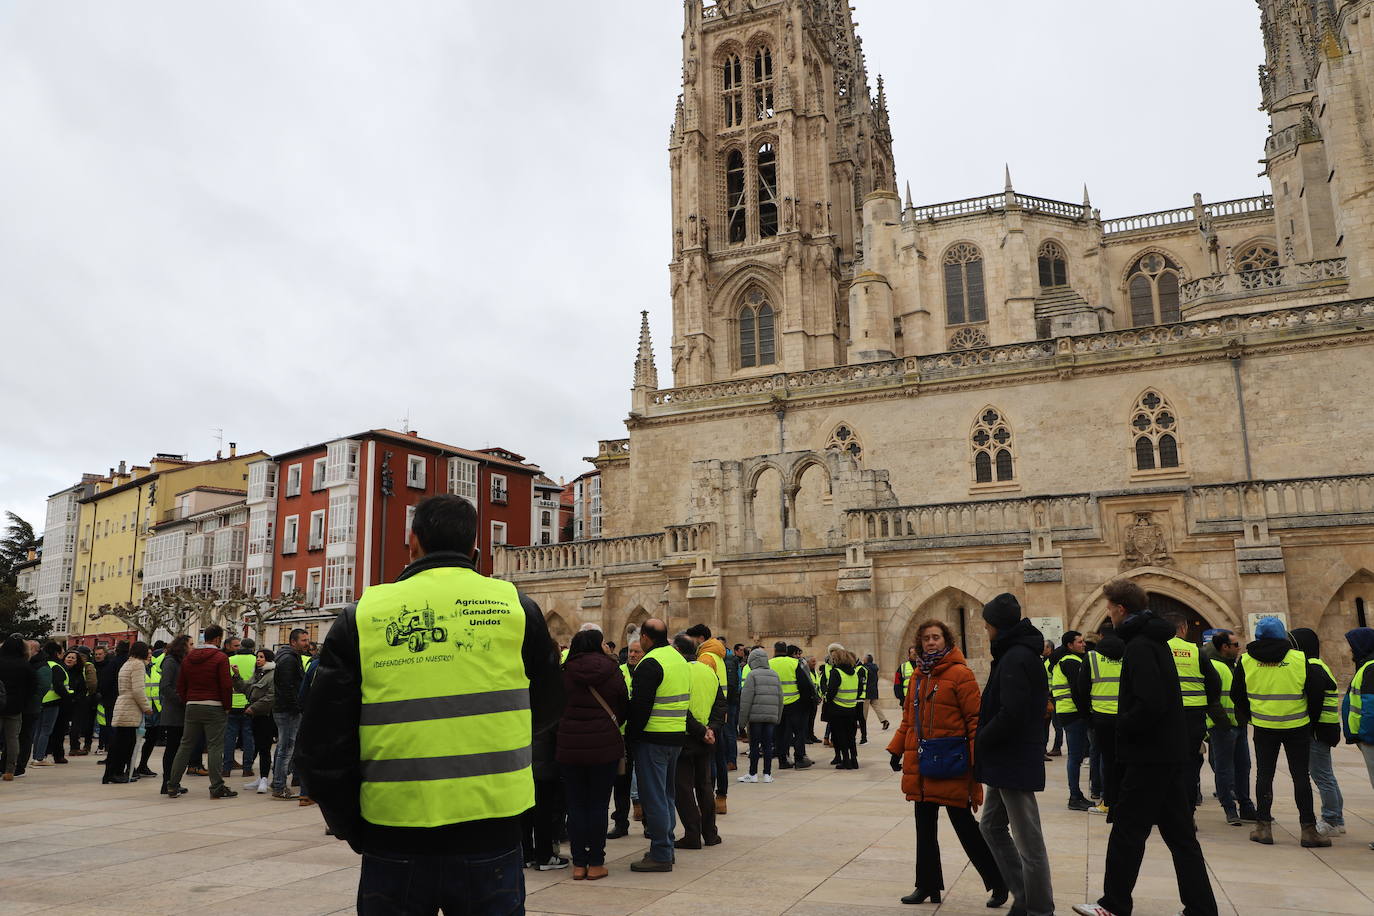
943, 693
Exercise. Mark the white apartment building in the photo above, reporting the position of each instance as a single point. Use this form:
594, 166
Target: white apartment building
53, 588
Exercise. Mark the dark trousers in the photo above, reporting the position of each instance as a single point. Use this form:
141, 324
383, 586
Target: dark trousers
472, 884
1076, 737
621, 815
587, 790
57, 738
1297, 746
863, 720
1196, 718
151, 737
76, 728
27, 723
1104, 738
539, 825
264, 733
761, 745
1231, 765
842, 733
929, 875
696, 803
172, 737
121, 751
792, 732
201, 722
722, 756
1053, 722
1156, 795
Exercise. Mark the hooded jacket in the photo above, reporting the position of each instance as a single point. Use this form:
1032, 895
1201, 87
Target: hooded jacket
204, 675
1273, 649
1361, 642
1306, 641
947, 702
587, 736
17, 676
1010, 746
1151, 727
711, 653
262, 690
761, 698
1111, 646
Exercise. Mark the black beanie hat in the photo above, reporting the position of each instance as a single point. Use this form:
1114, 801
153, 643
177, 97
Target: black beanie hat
1002, 612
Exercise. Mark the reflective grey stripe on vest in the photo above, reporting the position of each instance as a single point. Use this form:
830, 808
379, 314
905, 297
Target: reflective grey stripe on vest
1276, 696
396, 712
1194, 693
1268, 718
415, 769
670, 713
1190, 679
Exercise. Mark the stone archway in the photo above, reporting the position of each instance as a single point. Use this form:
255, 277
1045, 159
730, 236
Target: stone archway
633, 620
960, 611
907, 615
560, 629
1170, 583
1352, 605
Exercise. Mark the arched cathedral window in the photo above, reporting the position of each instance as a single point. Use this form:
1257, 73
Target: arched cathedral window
734, 197
846, 440
992, 448
763, 84
768, 191
757, 344
964, 297
1154, 291
1054, 265
1154, 426
733, 91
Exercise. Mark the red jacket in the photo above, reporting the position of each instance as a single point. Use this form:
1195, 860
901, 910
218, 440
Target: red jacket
204, 675
949, 709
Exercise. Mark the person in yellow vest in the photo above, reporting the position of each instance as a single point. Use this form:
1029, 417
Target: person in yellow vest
1326, 734
903, 675
1273, 690
1229, 741
624, 782
710, 652
1064, 669
841, 706
657, 727
696, 807
1201, 692
1097, 690
797, 698
243, 664
416, 736
1357, 707
1051, 722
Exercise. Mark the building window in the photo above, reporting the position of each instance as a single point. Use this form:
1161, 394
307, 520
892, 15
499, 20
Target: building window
763, 84
732, 99
1259, 256
343, 519
317, 475
288, 582
338, 581
964, 296
993, 460
341, 463
262, 481
1154, 426
462, 479
736, 228
290, 533
260, 531
545, 518
768, 191
415, 472
499, 493
1053, 264
410, 521
316, 541
1154, 291
293, 480
845, 440
757, 345
498, 536
596, 507
314, 583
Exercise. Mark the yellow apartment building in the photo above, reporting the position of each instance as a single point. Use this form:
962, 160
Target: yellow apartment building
115, 523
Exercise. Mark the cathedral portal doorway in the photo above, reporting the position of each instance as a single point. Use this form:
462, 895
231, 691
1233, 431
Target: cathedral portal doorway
1163, 604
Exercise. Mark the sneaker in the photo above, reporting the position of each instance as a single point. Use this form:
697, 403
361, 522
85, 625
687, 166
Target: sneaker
748, 777
144, 771
804, 763
785, 765
1091, 909
223, 792
863, 740
1079, 804
767, 777
41, 763
283, 794
653, 865
1234, 820
1326, 828
554, 863
1098, 808
262, 786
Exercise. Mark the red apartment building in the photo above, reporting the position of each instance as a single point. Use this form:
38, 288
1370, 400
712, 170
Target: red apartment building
332, 519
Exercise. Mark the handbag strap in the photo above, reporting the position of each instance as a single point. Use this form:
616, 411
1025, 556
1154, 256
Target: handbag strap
604, 705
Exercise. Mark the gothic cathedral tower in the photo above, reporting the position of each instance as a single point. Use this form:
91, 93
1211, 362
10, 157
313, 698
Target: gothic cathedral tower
776, 142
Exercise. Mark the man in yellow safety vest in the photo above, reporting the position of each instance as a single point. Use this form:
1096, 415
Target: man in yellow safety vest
1230, 742
416, 736
696, 806
798, 697
657, 727
1201, 692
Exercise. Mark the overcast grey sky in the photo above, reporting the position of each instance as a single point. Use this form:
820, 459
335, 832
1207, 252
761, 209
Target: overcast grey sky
298, 220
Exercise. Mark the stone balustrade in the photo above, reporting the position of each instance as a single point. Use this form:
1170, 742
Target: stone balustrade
1239, 208
697, 538
1249, 283
613, 448
1296, 503
987, 520
639, 549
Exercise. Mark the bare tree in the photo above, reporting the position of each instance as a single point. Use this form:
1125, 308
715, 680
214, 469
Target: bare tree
174, 610
241, 609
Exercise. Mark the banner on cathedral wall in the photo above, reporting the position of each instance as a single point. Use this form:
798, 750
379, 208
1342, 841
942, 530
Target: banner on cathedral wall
1252, 620
1051, 628
782, 616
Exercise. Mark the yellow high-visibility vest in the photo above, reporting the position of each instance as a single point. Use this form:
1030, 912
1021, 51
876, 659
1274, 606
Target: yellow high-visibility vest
1276, 691
51, 695
908, 668
1059, 690
152, 682
786, 669
444, 732
669, 713
1188, 661
245, 665
848, 694
1354, 715
702, 692
1331, 702
1106, 683
1227, 676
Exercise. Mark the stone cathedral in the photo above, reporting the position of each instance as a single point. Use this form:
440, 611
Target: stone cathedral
883, 411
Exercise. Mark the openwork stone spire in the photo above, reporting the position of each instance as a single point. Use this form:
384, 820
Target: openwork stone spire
646, 373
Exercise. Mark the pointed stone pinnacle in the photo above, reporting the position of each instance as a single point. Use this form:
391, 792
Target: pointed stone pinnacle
1087, 200
646, 373
908, 196
1008, 173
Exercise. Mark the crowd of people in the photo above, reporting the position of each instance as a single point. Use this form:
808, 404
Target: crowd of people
454, 761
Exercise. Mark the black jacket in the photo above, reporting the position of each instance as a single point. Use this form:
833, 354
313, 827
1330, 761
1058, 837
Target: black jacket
644, 684
1306, 640
286, 681
1009, 752
1273, 650
1081, 686
1150, 724
19, 682
327, 749
107, 677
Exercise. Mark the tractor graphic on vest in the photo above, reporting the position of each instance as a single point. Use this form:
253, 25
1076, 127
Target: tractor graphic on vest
415, 628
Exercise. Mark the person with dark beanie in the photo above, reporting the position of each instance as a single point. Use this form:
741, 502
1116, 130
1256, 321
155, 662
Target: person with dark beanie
173, 714
1009, 756
1156, 774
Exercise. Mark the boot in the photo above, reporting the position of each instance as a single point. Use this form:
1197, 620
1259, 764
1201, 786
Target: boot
1312, 839
720, 805
1263, 833
638, 811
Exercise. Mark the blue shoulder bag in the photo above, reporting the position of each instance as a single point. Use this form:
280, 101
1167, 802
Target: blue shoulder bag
940, 758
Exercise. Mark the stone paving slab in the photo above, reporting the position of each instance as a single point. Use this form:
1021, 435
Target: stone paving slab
817, 842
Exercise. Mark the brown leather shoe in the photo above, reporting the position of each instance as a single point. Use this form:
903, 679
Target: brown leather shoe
1311, 839
597, 872
638, 811
720, 805
1263, 832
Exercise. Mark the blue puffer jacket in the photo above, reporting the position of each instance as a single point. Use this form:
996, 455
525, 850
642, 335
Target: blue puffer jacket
1361, 640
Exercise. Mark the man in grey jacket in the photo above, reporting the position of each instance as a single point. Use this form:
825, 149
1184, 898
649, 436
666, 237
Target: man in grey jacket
760, 708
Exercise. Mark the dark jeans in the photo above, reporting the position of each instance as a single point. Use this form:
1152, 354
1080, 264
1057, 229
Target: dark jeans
201, 721
761, 745
76, 728
1156, 795
732, 734
696, 806
42, 732
621, 815
288, 723
1231, 761
172, 736
863, 720
1076, 736
539, 825
28, 723
929, 875
723, 755
121, 751
264, 733
1196, 718
1296, 744
1053, 722
656, 772
587, 790
475, 884
11, 726
792, 731
238, 727
842, 732
1104, 739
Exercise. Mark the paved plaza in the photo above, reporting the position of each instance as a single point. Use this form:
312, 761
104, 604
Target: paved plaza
815, 842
